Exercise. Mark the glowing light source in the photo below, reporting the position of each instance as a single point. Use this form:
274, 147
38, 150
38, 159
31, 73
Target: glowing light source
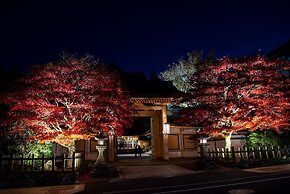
166, 128
101, 142
203, 141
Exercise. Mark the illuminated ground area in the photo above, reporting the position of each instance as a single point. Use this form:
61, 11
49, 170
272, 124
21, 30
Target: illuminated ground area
144, 156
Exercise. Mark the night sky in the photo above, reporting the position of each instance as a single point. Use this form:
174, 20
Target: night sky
138, 34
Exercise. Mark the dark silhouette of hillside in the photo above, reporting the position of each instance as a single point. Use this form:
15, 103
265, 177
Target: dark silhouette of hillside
139, 85
281, 52
8, 79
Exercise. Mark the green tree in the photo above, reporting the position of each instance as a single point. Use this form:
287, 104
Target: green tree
181, 73
16, 144
263, 138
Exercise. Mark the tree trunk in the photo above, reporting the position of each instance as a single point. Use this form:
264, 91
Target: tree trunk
70, 145
228, 141
71, 150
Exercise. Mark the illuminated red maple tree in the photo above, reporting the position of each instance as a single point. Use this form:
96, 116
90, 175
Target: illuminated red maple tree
231, 95
75, 98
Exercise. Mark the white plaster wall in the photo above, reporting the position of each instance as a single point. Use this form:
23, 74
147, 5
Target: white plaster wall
58, 150
91, 156
238, 142
181, 152
189, 153
175, 154
174, 130
216, 144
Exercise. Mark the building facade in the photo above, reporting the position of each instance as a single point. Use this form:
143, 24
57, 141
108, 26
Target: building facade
167, 141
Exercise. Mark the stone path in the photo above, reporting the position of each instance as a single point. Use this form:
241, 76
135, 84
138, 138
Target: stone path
152, 171
270, 169
62, 189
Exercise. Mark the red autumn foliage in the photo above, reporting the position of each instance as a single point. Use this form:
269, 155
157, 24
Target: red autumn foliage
231, 95
74, 98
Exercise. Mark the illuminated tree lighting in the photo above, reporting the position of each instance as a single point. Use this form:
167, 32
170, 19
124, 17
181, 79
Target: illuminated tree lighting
230, 95
74, 98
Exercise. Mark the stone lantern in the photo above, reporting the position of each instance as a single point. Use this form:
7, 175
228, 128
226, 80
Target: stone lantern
101, 146
100, 167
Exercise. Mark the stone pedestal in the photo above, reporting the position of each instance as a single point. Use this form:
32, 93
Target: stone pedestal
203, 149
101, 168
100, 160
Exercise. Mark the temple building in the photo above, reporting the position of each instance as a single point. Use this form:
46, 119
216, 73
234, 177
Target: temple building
165, 141
151, 129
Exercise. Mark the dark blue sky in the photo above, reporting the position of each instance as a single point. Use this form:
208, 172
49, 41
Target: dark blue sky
138, 34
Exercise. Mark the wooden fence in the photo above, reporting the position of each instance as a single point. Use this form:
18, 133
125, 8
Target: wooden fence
249, 153
40, 164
